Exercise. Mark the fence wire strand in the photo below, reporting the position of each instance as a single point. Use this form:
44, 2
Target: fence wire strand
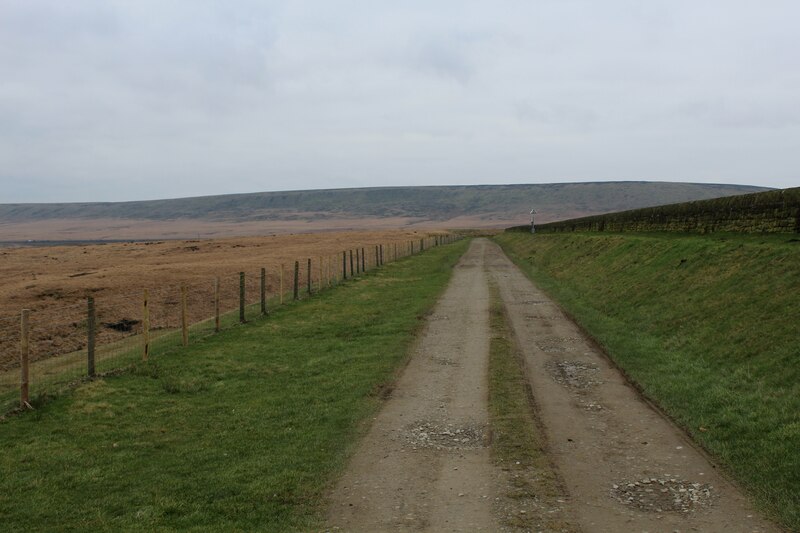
59, 335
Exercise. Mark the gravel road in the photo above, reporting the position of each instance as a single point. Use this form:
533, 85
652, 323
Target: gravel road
425, 462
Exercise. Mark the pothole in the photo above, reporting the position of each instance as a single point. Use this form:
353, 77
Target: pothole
663, 495
444, 361
428, 434
575, 374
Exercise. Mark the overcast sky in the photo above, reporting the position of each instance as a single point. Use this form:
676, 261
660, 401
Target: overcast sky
138, 99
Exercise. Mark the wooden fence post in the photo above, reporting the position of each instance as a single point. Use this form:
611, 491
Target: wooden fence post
297, 280
241, 298
90, 337
351, 263
363, 261
264, 291
377, 263
358, 261
24, 354
381, 247
321, 268
308, 276
146, 325
281, 288
344, 265
184, 318
216, 304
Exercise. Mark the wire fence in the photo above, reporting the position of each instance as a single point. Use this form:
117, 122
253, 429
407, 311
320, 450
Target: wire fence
48, 349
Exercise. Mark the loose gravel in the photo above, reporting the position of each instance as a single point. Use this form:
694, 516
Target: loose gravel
574, 374
440, 436
663, 495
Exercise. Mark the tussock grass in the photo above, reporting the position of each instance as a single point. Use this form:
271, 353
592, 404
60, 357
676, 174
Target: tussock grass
707, 326
242, 431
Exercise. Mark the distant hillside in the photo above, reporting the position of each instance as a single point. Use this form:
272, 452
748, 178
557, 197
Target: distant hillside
271, 212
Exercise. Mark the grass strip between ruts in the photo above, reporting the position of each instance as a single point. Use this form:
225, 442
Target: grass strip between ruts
518, 443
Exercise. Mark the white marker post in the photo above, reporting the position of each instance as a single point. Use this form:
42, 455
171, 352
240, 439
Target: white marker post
533, 227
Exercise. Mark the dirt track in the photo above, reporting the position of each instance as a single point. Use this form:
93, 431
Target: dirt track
425, 463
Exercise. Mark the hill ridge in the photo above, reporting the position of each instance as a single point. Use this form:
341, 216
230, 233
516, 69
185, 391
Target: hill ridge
443, 206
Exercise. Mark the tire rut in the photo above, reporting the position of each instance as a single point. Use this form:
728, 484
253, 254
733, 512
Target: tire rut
627, 468
425, 464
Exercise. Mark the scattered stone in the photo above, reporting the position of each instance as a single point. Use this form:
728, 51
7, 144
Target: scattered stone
592, 406
555, 344
663, 495
428, 434
551, 347
542, 317
532, 302
574, 374
444, 361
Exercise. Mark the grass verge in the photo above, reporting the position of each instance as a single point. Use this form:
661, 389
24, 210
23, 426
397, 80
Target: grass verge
707, 326
54, 376
241, 431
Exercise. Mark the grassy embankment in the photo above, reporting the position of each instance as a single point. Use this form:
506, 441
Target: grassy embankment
242, 431
707, 326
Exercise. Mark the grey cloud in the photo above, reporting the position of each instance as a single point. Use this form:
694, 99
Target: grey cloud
450, 55
761, 113
557, 114
121, 100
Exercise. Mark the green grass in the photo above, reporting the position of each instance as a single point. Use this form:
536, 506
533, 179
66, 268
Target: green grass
242, 431
707, 326
55, 375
